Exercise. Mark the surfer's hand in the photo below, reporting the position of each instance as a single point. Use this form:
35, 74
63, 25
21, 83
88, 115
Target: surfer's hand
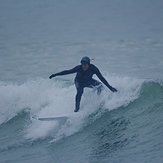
52, 76
113, 89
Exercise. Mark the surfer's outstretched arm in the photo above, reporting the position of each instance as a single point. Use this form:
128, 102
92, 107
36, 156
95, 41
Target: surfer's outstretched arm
98, 73
65, 72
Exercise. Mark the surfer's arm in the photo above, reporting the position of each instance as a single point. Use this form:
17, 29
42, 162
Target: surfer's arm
99, 75
65, 72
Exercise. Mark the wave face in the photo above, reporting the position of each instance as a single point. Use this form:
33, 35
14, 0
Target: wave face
114, 127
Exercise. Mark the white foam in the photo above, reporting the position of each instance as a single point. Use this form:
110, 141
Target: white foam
128, 90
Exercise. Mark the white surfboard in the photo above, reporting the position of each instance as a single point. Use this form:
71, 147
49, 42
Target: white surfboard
62, 117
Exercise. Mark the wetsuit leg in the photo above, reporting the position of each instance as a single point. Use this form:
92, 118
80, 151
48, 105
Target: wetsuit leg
79, 89
97, 84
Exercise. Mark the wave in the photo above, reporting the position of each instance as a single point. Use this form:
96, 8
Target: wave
46, 98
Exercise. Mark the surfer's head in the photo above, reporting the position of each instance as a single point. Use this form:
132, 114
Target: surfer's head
85, 61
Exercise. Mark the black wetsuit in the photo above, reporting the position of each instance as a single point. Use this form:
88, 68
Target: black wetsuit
84, 79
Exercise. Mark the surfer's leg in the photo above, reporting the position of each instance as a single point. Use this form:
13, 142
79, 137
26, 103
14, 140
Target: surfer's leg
98, 85
79, 89
99, 89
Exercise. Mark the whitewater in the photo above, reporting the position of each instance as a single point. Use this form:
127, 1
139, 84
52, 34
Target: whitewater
39, 38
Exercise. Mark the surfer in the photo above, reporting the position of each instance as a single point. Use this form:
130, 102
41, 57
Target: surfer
83, 79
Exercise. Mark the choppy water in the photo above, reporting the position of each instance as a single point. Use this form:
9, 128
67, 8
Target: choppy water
38, 38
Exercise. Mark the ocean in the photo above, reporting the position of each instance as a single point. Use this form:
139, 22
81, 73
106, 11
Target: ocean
39, 38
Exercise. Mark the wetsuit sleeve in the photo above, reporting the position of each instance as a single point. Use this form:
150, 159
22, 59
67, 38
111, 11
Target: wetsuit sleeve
99, 75
65, 72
